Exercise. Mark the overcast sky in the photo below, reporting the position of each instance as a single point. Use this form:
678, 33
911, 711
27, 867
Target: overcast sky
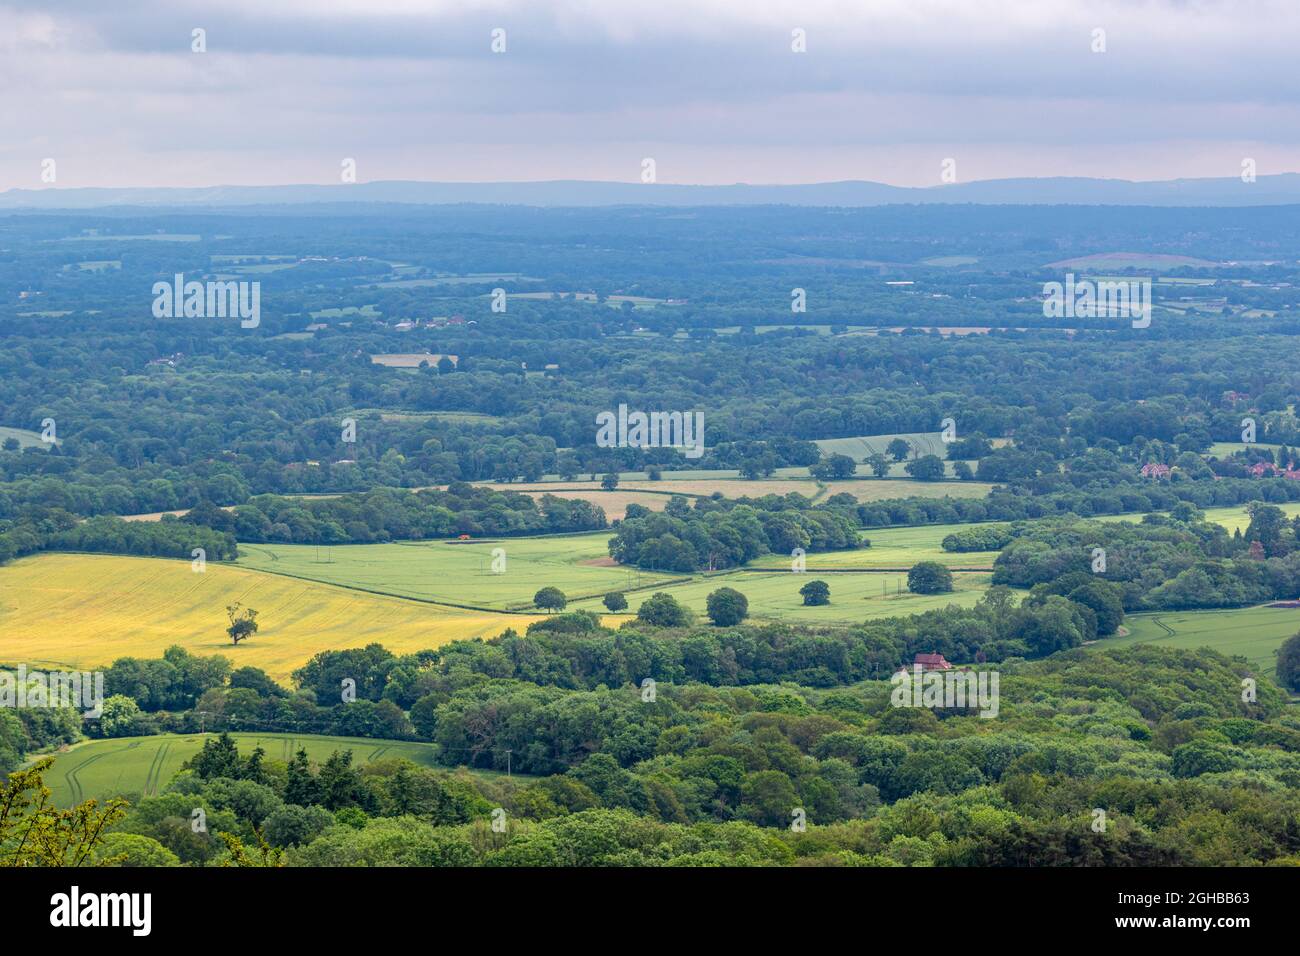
585, 90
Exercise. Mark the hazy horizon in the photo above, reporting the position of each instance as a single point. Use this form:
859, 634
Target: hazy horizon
619, 182
714, 92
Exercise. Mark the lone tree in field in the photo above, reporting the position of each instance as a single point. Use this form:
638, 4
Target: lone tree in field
662, 610
727, 607
609, 482
816, 593
898, 449
615, 601
243, 622
929, 577
550, 599
1288, 663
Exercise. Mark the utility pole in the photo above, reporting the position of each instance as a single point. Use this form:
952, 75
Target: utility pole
508, 753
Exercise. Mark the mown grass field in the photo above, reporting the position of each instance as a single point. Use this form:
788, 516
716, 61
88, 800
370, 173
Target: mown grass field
1254, 632
459, 572
1236, 517
142, 766
87, 610
893, 548
854, 597
1232, 517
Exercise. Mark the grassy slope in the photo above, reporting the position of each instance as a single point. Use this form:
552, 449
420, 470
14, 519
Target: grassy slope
26, 439
143, 765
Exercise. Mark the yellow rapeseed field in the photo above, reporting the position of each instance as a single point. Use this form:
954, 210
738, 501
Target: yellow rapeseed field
83, 610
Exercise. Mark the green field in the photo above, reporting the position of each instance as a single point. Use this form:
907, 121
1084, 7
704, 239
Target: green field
227, 259
1236, 517
368, 311
1129, 260
144, 765
927, 443
1254, 633
949, 261
1222, 449
854, 597
459, 572
150, 237
893, 548
1231, 517
26, 439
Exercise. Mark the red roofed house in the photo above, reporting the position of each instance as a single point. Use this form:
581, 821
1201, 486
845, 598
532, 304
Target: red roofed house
1155, 470
1260, 467
931, 662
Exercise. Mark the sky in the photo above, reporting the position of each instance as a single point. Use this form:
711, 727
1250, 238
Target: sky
711, 90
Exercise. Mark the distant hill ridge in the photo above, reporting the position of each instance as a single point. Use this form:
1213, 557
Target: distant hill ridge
1282, 189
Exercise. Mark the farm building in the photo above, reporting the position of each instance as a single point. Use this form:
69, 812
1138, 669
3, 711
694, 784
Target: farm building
931, 662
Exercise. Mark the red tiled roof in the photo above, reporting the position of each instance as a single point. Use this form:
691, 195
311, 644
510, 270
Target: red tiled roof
931, 660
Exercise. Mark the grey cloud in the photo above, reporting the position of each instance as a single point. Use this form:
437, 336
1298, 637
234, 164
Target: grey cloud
391, 75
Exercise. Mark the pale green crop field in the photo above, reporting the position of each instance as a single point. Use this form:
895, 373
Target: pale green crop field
1222, 449
893, 548
927, 443
1254, 633
144, 765
1231, 517
368, 311
1235, 517
459, 572
854, 597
